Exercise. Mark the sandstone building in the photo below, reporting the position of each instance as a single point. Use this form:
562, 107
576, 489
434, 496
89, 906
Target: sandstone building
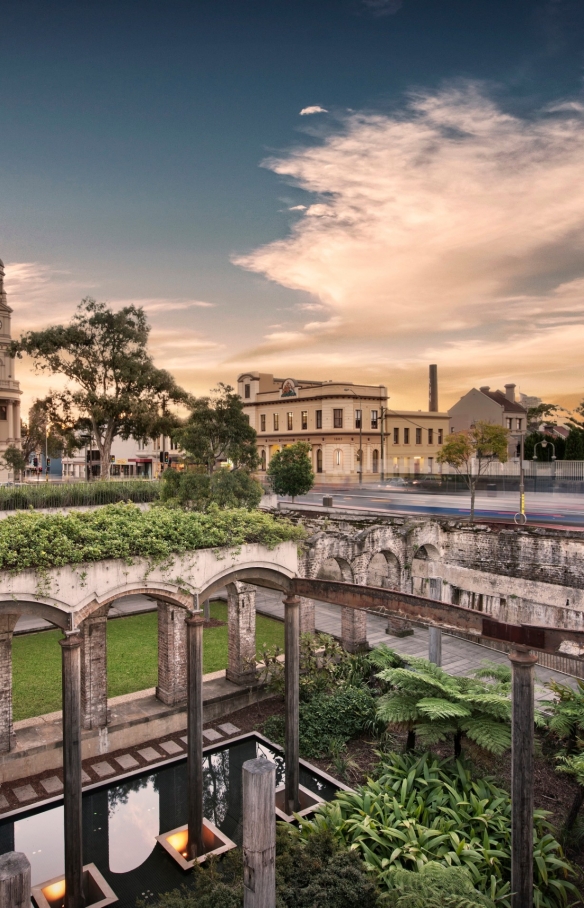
9, 388
332, 417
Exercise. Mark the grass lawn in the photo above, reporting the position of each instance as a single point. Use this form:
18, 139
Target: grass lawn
132, 658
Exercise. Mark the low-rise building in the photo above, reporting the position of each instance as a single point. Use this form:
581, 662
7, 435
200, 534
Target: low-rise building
338, 419
496, 407
130, 459
10, 434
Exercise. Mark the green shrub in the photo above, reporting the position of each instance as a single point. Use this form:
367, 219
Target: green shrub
436, 886
32, 540
327, 720
198, 491
422, 809
76, 494
565, 718
322, 662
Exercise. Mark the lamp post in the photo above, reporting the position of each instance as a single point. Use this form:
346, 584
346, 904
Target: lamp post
544, 445
384, 412
360, 412
520, 519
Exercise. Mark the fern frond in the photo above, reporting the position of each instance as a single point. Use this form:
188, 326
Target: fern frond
492, 736
396, 708
435, 708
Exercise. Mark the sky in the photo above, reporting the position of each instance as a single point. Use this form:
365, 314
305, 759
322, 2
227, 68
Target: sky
323, 189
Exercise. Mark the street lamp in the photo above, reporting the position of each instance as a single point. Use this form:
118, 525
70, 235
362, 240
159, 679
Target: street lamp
360, 412
544, 445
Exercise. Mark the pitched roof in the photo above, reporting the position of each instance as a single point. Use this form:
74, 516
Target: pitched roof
511, 406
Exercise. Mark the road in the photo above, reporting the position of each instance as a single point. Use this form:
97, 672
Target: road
542, 509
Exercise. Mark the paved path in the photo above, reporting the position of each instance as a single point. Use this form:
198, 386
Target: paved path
459, 657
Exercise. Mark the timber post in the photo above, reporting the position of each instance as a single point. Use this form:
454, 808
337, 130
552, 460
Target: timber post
14, 880
292, 670
259, 834
72, 819
194, 624
522, 730
435, 645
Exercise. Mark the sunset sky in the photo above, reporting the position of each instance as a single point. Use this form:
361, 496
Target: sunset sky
327, 189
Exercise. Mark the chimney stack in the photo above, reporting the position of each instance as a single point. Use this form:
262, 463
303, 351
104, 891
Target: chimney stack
484, 388
433, 389
510, 392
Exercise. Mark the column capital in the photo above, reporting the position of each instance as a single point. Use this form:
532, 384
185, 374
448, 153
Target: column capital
71, 639
291, 599
195, 619
522, 656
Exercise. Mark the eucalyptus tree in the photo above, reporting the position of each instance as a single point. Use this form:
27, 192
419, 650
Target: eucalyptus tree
471, 452
112, 385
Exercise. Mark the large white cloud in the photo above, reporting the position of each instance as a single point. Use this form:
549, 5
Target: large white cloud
449, 229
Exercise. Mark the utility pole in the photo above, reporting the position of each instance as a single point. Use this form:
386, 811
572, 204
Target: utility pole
520, 518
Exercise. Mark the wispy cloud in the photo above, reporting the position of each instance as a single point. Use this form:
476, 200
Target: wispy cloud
164, 305
297, 208
450, 226
383, 7
307, 111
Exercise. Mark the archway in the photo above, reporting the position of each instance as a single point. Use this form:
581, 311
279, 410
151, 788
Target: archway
335, 569
263, 460
375, 460
319, 460
337, 460
384, 570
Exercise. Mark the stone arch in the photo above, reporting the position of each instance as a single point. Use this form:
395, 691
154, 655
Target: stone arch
384, 570
56, 614
427, 552
335, 568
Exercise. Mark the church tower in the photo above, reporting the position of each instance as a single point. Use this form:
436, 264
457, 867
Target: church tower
9, 388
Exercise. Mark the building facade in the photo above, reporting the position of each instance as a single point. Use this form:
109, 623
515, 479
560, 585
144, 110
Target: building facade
130, 459
338, 420
9, 388
496, 407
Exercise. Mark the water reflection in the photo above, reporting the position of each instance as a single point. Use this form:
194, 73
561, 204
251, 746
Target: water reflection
40, 837
133, 823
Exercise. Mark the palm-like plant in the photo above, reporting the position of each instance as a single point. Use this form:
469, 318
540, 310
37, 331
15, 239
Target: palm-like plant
565, 720
573, 764
434, 706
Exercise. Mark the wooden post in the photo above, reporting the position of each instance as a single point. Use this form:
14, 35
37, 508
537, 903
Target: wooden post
292, 667
522, 727
435, 645
259, 834
195, 733
15, 880
72, 819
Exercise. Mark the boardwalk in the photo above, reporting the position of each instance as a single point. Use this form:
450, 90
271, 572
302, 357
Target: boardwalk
459, 657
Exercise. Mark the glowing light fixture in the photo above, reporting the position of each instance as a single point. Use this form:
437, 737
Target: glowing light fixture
176, 844
97, 893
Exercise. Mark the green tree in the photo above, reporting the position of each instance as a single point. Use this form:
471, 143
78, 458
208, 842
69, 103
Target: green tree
542, 413
481, 444
196, 491
575, 444
113, 386
14, 460
216, 430
290, 471
544, 454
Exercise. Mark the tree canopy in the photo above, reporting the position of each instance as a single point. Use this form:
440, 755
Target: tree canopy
290, 471
216, 430
197, 491
476, 447
113, 387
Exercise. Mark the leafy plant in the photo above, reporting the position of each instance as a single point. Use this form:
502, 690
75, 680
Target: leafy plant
436, 886
574, 766
321, 661
41, 541
433, 705
471, 452
565, 719
198, 491
76, 494
422, 809
290, 471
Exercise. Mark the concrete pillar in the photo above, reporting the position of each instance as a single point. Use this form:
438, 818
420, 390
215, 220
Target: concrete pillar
94, 670
241, 630
354, 630
18, 427
172, 654
7, 623
307, 616
522, 744
10, 420
72, 819
15, 880
292, 674
259, 834
194, 625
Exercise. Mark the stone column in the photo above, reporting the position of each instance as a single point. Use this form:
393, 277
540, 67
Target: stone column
259, 834
241, 629
292, 672
10, 420
94, 669
172, 654
354, 630
72, 819
522, 744
18, 428
7, 624
194, 625
307, 616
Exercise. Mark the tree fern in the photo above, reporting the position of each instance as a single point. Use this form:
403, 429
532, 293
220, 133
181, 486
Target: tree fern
489, 734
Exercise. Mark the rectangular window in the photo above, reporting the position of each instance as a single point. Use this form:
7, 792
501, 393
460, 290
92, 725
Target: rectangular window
276, 422
338, 419
290, 421
519, 422
396, 436
406, 436
440, 436
304, 416
418, 436
430, 436
358, 419
318, 419
509, 422
263, 422
374, 419
247, 391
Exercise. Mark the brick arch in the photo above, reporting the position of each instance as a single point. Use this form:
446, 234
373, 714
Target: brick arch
384, 569
169, 594
335, 568
427, 552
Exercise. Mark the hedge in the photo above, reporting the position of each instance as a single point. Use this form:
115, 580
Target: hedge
76, 494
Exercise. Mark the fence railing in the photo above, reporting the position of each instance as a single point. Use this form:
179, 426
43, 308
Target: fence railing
78, 494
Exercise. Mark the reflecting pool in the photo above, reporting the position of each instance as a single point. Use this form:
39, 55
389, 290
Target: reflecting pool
121, 820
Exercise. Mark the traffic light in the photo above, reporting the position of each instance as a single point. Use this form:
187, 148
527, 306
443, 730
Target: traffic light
35, 462
48, 462
166, 457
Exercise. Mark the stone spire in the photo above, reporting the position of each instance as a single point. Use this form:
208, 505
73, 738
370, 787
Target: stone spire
3, 298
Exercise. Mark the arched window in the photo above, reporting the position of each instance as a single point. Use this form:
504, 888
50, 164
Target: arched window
376, 461
338, 459
263, 460
319, 461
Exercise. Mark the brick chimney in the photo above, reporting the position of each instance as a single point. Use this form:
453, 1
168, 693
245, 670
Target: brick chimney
484, 388
433, 389
510, 392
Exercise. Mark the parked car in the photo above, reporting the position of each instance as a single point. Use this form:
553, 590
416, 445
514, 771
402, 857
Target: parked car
398, 482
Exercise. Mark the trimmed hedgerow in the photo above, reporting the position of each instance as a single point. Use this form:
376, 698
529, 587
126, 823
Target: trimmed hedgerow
42, 541
77, 494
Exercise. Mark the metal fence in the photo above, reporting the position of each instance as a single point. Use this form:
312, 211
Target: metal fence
74, 495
